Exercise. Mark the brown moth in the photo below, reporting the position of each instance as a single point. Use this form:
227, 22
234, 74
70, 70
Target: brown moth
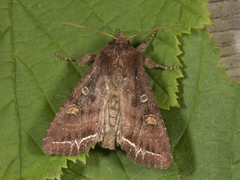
113, 104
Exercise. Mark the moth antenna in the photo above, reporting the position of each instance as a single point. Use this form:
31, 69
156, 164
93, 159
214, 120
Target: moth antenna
153, 30
90, 29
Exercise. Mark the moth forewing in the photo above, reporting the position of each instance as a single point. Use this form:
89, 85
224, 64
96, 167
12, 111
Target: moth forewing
73, 133
113, 104
144, 135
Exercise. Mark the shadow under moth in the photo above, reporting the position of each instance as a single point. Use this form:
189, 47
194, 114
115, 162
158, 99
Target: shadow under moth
113, 104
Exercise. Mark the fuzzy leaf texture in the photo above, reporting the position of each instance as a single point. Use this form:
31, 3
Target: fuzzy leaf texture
35, 83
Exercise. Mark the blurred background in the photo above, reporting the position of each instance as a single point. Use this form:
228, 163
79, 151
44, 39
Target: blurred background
225, 16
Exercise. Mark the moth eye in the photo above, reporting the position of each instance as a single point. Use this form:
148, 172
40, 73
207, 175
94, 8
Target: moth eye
149, 120
85, 90
143, 98
72, 109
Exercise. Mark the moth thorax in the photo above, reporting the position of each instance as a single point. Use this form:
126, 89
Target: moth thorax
122, 39
117, 80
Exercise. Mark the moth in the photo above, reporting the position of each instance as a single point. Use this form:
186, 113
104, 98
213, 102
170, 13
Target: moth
113, 104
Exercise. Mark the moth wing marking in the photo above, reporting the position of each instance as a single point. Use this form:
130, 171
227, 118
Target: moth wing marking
78, 124
142, 133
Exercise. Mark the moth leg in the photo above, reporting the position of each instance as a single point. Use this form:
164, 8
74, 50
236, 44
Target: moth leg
147, 62
118, 32
86, 59
144, 45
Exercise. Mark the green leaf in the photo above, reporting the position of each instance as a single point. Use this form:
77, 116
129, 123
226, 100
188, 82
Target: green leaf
205, 137
35, 83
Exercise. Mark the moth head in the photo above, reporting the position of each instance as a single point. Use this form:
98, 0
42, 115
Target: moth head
122, 39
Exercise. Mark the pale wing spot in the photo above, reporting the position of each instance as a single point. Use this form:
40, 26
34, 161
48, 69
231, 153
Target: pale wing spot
144, 98
72, 109
85, 90
149, 120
